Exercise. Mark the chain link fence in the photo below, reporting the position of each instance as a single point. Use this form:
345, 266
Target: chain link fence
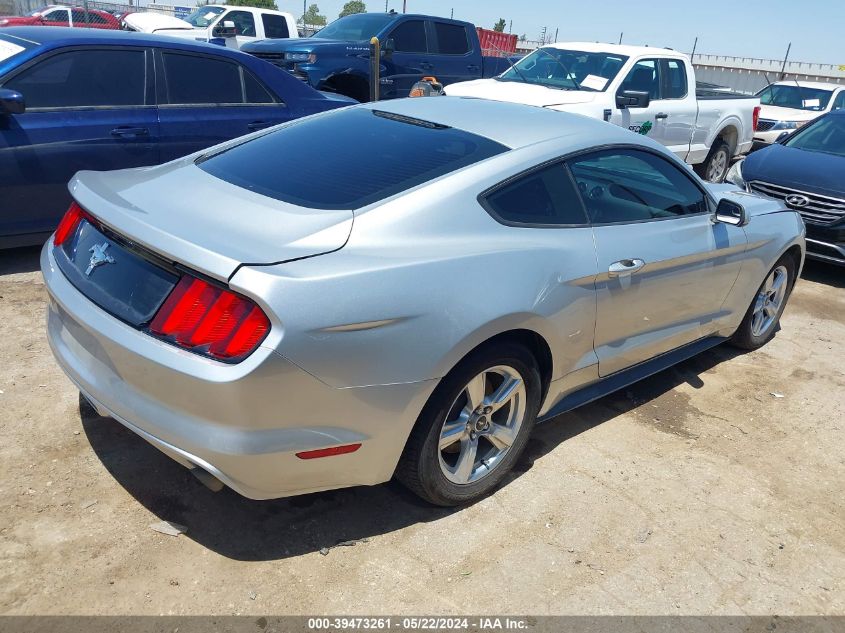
22, 7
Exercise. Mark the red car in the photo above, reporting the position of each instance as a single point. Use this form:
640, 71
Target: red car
58, 15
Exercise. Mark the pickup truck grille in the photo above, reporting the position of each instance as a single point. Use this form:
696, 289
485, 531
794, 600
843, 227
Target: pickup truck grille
818, 210
278, 59
764, 125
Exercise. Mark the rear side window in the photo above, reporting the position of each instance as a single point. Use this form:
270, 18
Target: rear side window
191, 79
348, 159
545, 197
275, 26
675, 79
255, 91
409, 37
83, 78
93, 18
451, 39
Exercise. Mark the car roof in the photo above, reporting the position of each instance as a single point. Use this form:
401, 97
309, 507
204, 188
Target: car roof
619, 49
56, 36
809, 84
511, 124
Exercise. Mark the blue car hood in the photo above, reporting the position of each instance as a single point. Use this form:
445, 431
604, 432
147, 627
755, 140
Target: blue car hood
813, 172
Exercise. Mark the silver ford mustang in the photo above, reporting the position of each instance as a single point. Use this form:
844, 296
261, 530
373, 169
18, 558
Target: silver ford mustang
399, 289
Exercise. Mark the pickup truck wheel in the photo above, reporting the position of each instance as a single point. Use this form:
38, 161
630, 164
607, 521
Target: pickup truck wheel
715, 167
474, 426
763, 316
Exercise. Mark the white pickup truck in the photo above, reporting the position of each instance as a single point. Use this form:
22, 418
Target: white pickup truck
648, 90
221, 24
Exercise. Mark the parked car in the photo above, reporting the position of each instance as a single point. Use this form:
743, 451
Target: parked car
219, 24
651, 91
399, 287
787, 105
60, 15
336, 58
74, 99
806, 171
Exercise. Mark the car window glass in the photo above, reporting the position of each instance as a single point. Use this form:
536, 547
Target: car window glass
840, 101
83, 78
409, 37
451, 39
676, 79
192, 79
546, 196
255, 91
825, 135
627, 185
244, 22
57, 16
275, 26
643, 77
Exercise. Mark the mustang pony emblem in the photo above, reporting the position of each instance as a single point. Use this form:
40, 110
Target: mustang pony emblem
98, 257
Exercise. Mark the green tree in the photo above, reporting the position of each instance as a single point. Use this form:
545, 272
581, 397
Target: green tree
353, 6
312, 16
259, 4
499, 27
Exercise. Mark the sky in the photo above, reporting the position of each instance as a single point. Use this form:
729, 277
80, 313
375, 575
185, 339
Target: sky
746, 28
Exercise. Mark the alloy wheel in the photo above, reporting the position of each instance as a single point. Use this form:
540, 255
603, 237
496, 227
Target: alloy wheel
769, 301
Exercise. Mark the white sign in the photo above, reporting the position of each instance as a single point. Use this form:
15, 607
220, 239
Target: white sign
7, 49
593, 82
812, 103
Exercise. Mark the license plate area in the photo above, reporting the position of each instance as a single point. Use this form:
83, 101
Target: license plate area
114, 274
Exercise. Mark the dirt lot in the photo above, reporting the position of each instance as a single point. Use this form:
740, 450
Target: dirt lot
696, 491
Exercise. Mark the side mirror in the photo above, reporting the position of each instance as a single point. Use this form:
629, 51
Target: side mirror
225, 29
632, 99
389, 47
730, 212
782, 137
11, 102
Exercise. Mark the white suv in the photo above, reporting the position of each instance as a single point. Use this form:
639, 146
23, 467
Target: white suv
788, 105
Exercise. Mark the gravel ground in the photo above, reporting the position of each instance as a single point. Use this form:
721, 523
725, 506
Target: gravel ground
696, 491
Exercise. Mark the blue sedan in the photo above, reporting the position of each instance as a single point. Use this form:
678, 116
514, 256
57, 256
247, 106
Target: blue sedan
74, 99
807, 171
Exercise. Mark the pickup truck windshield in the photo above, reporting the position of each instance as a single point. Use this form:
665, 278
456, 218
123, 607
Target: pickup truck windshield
203, 16
826, 135
795, 97
566, 69
361, 26
348, 159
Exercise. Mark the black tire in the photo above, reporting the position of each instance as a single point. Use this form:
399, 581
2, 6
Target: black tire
419, 467
720, 147
745, 337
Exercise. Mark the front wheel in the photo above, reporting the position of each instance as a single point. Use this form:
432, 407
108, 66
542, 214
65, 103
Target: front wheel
474, 426
715, 167
761, 321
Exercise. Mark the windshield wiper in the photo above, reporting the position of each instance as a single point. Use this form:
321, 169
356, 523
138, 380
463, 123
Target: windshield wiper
511, 64
565, 69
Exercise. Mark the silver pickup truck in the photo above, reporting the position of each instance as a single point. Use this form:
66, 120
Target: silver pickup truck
652, 91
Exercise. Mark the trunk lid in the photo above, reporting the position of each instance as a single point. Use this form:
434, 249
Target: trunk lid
192, 218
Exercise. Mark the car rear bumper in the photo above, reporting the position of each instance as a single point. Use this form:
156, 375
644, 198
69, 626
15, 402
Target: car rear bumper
243, 423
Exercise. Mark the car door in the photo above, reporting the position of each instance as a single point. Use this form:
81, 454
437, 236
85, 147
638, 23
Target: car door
455, 61
665, 268
409, 60
670, 116
205, 99
87, 108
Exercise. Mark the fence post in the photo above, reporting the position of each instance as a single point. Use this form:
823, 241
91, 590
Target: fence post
375, 66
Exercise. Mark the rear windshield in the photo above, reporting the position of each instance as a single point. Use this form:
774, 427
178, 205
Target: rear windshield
348, 159
11, 46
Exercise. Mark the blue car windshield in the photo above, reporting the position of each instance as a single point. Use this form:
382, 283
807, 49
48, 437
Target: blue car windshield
11, 46
347, 159
361, 26
566, 70
827, 135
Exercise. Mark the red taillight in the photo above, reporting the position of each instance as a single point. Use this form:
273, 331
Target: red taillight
200, 316
755, 117
329, 452
73, 216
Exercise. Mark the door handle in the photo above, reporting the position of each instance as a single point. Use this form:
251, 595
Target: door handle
258, 125
661, 115
472, 67
624, 267
129, 132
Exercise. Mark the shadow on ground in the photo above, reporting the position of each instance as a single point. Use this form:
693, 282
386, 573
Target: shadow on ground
823, 273
243, 529
19, 260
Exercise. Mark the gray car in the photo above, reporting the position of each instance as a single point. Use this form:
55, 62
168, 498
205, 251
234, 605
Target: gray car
399, 289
